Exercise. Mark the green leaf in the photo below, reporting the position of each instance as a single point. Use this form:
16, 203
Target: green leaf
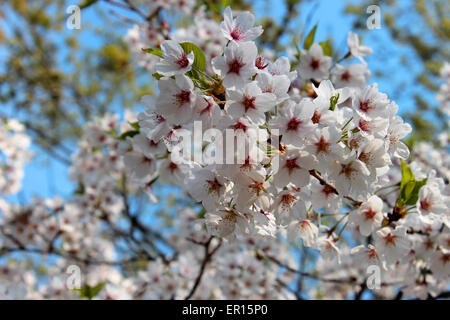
333, 102
409, 186
90, 292
199, 56
407, 174
126, 134
310, 38
326, 47
135, 125
155, 51
87, 3
157, 75
414, 195
406, 192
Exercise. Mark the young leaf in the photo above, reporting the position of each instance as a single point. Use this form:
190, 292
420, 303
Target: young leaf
414, 195
90, 292
407, 174
199, 56
333, 102
134, 125
126, 134
326, 47
155, 51
157, 75
310, 38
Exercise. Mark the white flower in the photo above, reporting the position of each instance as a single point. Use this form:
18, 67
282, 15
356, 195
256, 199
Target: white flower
148, 147
431, 201
294, 166
208, 187
237, 65
324, 197
139, 167
357, 50
368, 216
313, 63
397, 131
392, 244
325, 92
294, 122
240, 29
364, 257
355, 75
328, 249
175, 60
282, 67
323, 144
177, 100
152, 124
276, 84
374, 155
251, 103
377, 127
225, 223
369, 103
207, 111
305, 230
171, 172
252, 188
351, 177
440, 263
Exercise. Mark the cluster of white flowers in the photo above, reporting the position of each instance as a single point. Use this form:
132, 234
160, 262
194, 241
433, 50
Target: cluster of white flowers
14, 154
70, 230
155, 29
339, 141
317, 155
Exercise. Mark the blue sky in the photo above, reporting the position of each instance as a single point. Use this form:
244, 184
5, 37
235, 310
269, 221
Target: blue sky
46, 177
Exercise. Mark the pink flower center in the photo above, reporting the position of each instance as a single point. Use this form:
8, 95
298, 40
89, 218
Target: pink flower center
258, 187
365, 106
293, 124
322, 145
259, 63
239, 126
183, 97
214, 186
236, 34
390, 239
291, 164
369, 214
328, 190
316, 117
288, 199
347, 170
425, 204
345, 76
183, 62
249, 103
173, 166
235, 66
364, 125
314, 64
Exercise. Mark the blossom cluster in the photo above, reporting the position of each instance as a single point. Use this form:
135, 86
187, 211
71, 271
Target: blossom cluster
339, 144
14, 154
317, 163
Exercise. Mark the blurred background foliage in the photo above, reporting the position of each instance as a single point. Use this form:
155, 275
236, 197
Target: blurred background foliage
55, 80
